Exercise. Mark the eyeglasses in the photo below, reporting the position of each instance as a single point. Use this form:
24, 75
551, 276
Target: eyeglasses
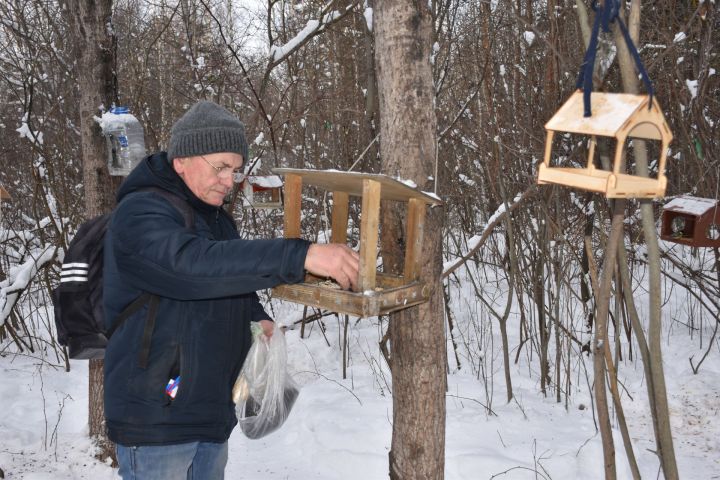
224, 171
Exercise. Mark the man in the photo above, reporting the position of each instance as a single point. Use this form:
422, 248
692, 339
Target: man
205, 279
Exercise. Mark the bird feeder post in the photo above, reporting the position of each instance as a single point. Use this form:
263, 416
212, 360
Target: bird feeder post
415, 233
339, 217
619, 162
293, 203
275, 196
369, 234
591, 154
548, 148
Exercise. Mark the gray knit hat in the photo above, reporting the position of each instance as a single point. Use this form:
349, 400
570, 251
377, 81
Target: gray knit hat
207, 128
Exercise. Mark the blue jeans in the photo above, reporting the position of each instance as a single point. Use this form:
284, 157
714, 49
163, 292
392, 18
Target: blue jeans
191, 461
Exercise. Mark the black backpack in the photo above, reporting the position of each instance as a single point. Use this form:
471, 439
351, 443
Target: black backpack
78, 302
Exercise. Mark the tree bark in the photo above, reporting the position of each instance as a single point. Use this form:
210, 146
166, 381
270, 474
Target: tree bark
90, 20
403, 32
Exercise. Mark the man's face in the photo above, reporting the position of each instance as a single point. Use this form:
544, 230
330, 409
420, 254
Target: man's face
209, 177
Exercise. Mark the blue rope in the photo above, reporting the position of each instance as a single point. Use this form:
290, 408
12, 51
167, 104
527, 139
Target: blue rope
604, 16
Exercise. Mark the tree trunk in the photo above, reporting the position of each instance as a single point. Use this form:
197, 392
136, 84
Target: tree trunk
656, 388
601, 337
403, 32
94, 43
371, 100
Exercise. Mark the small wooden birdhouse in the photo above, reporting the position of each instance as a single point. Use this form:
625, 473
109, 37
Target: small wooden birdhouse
262, 191
614, 115
692, 221
379, 293
4, 197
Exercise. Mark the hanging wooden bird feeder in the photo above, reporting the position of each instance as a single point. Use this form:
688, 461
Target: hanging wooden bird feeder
261, 191
378, 293
692, 221
614, 115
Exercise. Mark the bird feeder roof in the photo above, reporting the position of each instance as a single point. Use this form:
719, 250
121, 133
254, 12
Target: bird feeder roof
611, 114
691, 205
352, 183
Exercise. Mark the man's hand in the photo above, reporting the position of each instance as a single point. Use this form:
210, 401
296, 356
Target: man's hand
267, 326
334, 260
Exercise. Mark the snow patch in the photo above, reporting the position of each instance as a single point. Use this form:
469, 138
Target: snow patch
529, 37
25, 131
368, 14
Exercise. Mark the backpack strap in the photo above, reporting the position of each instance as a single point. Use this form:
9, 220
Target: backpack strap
129, 311
178, 202
189, 216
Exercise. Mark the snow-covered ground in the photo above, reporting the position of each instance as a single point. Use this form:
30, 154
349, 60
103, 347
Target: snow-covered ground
341, 429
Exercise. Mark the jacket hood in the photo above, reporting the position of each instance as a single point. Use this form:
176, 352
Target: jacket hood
155, 171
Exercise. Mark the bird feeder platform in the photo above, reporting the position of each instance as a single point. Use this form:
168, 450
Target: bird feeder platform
692, 221
614, 115
378, 293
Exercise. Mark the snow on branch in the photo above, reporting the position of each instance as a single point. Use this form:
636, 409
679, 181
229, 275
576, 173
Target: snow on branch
477, 241
19, 277
278, 53
26, 131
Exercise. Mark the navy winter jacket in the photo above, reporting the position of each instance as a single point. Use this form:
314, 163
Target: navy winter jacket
206, 278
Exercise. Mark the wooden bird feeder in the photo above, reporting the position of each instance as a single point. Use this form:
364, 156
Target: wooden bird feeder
614, 115
691, 221
262, 191
378, 293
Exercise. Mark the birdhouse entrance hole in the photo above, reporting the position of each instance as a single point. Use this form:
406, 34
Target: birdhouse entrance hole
378, 293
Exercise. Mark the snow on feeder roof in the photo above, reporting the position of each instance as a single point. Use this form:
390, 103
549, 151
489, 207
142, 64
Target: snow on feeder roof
691, 205
265, 181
